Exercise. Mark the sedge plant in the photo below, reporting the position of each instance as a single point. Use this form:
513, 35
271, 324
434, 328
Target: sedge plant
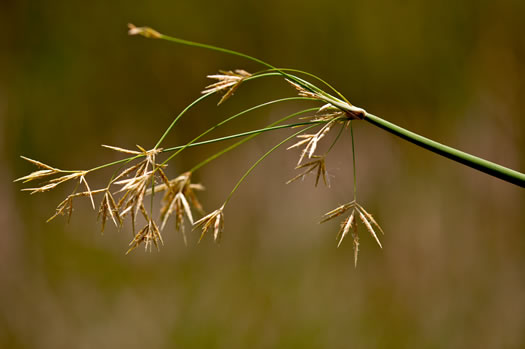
140, 174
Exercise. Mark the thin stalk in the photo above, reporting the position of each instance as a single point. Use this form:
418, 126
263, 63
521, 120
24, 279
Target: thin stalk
231, 118
262, 158
336, 138
318, 79
242, 134
214, 140
252, 134
180, 115
309, 86
353, 160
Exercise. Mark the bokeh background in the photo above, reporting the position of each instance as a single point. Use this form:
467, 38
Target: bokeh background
451, 274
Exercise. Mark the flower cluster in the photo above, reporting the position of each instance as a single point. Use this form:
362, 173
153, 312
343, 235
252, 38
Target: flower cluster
143, 176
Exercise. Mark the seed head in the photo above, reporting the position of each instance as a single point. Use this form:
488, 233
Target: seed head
227, 80
350, 222
317, 165
310, 141
144, 31
215, 219
149, 234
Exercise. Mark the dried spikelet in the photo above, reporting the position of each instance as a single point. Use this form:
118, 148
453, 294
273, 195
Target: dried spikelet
134, 188
369, 227
127, 171
56, 181
345, 228
317, 165
311, 141
108, 207
302, 91
370, 218
227, 80
182, 183
329, 116
174, 200
215, 219
83, 179
149, 234
355, 242
122, 150
351, 223
326, 107
66, 206
336, 212
45, 172
149, 154
144, 31
190, 194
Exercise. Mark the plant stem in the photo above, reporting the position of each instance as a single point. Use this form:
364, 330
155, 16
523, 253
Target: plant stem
232, 118
251, 135
209, 141
353, 160
472, 161
180, 115
305, 84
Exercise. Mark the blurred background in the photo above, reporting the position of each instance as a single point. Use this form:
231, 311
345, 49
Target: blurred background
451, 271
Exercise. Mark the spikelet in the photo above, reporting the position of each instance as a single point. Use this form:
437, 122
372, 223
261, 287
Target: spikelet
310, 141
149, 235
350, 222
318, 165
215, 220
108, 208
144, 31
228, 81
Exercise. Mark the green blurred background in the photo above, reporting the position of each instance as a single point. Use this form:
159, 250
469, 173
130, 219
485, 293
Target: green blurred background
451, 274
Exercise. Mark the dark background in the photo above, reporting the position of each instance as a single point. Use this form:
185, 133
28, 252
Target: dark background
451, 271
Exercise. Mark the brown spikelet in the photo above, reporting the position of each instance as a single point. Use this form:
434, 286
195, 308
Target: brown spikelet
45, 171
355, 241
65, 207
52, 183
149, 235
311, 140
302, 91
108, 208
345, 228
351, 223
318, 166
336, 212
369, 228
228, 81
144, 31
215, 220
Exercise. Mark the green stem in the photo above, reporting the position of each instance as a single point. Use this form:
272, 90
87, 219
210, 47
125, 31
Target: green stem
214, 140
472, 161
304, 84
230, 119
336, 138
353, 160
180, 115
251, 135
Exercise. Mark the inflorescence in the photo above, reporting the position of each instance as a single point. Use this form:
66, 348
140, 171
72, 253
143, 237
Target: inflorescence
142, 175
